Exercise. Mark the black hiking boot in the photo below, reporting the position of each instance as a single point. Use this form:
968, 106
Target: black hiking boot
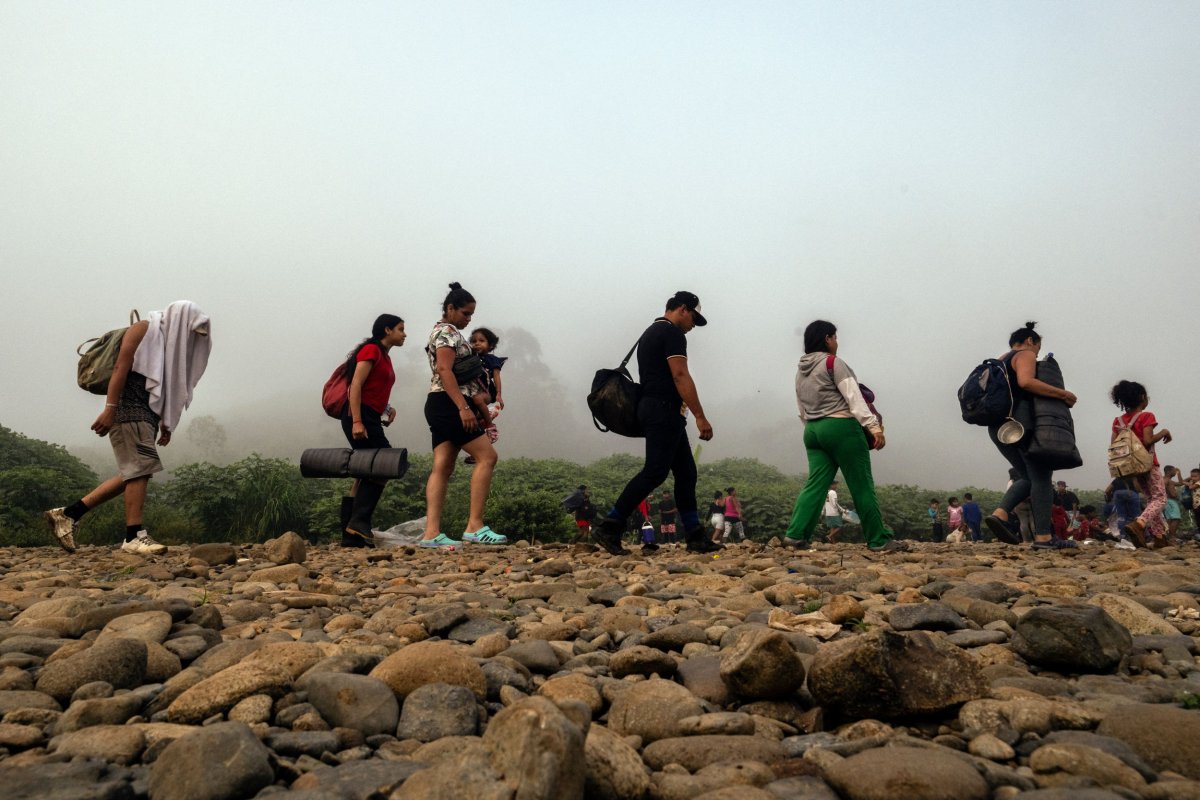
698, 541
357, 532
608, 535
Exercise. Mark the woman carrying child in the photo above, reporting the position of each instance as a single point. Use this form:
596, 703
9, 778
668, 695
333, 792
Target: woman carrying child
1132, 399
457, 413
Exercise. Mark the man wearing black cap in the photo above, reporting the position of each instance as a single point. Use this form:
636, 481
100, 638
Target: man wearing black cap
668, 393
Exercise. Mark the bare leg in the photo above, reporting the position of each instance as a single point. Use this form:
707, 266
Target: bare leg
485, 457
135, 499
113, 487
444, 456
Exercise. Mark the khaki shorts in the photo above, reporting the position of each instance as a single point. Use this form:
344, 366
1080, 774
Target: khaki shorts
133, 445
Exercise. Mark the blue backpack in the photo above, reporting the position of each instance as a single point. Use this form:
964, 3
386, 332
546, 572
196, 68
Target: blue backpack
985, 398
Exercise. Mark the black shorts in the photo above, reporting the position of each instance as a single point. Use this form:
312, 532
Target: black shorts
444, 421
373, 422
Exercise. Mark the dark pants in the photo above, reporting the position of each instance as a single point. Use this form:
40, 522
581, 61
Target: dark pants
1128, 506
667, 451
373, 421
938, 532
1032, 481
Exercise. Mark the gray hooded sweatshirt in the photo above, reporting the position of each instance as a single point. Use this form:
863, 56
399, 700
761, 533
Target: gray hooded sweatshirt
819, 394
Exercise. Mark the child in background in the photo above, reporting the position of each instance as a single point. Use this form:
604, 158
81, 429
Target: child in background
1127, 506
936, 531
717, 515
1059, 521
1091, 528
1173, 511
954, 514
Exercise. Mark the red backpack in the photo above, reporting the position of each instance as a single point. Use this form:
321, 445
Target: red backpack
336, 393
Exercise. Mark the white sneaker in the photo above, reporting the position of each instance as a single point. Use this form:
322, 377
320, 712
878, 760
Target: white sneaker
63, 528
1125, 544
143, 545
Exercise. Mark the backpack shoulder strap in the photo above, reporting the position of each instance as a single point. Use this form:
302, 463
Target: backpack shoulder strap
629, 355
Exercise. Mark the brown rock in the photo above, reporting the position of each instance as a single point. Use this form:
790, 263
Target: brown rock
420, 663
888, 675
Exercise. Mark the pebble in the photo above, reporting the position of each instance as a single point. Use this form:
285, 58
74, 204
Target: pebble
547, 672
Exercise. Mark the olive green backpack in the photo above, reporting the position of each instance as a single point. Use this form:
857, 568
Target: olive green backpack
97, 362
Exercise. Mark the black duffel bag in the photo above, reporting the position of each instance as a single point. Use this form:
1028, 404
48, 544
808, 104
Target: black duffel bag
614, 399
1053, 440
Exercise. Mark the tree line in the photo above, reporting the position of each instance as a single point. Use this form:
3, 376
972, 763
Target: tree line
257, 498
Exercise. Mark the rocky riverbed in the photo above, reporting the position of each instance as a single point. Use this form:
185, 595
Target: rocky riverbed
315, 673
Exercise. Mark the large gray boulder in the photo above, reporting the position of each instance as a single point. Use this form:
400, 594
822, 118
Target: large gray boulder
887, 675
225, 761
1074, 638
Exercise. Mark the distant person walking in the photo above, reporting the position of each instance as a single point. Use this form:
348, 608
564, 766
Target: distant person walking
1132, 399
832, 511
369, 370
972, 515
1033, 477
837, 421
667, 512
161, 360
668, 393
937, 529
954, 514
585, 512
716, 515
457, 413
733, 516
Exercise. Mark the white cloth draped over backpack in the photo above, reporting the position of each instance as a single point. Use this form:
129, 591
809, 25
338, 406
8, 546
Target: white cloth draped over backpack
173, 356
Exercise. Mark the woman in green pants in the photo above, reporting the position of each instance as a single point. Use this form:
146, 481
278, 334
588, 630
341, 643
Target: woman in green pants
836, 422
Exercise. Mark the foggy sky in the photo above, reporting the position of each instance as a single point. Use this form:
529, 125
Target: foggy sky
928, 176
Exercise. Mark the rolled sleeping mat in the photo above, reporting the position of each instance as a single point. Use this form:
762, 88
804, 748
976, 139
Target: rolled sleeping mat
342, 462
383, 463
325, 462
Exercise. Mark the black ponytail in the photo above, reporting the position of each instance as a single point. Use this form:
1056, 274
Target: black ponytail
458, 297
378, 331
1021, 334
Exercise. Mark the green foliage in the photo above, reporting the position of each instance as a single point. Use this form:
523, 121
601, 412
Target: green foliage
1190, 701
250, 500
35, 476
258, 498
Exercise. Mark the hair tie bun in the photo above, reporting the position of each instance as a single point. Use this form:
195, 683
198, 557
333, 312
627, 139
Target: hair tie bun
456, 285
1030, 325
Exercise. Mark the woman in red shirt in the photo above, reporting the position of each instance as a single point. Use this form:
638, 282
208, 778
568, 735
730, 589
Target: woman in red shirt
369, 370
1132, 398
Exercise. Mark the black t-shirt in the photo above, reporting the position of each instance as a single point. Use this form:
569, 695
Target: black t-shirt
1067, 499
661, 341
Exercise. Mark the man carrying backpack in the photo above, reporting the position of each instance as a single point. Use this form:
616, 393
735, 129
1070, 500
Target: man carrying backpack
668, 393
160, 360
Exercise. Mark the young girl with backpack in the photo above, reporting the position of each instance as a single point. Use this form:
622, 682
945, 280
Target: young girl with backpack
1132, 399
369, 371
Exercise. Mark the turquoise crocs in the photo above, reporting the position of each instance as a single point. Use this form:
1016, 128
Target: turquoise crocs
485, 535
439, 542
